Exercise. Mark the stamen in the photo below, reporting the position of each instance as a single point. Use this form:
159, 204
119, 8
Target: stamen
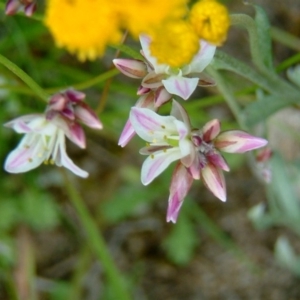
163, 126
152, 156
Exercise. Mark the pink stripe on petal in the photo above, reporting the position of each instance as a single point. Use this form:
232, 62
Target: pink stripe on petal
236, 141
211, 130
180, 185
155, 164
180, 86
127, 134
214, 180
76, 134
87, 116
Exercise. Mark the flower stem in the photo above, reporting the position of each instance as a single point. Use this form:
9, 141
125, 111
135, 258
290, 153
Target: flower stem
103, 98
228, 96
24, 77
96, 241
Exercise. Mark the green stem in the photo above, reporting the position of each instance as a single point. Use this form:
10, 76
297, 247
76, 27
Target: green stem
285, 38
228, 96
24, 77
88, 83
96, 241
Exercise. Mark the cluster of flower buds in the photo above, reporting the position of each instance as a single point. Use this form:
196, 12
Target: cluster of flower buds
160, 81
44, 139
13, 6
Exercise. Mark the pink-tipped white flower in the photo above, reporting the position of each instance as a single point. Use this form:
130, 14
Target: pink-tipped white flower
178, 81
44, 139
170, 139
13, 6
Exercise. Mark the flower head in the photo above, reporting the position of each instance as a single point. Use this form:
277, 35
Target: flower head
84, 27
174, 52
44, 139
143, 17
170, 139
210, 20
179, 81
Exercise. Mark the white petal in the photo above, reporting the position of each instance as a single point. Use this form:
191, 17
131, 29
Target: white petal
180, 185
155, 164
180, 86
22, 124
203, 58
62, 159
28, 155
150, 126
145, 42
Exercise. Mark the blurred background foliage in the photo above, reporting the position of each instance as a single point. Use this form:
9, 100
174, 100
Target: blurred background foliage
214, 251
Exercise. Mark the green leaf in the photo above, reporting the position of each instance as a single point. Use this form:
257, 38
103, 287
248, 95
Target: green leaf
182, 240
264, 36
281, 189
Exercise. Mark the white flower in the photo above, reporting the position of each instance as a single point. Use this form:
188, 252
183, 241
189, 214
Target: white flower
44, 141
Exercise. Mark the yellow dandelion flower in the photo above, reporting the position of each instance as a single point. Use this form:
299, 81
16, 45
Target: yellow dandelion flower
141, 16
175, 44
210, 20
84, 27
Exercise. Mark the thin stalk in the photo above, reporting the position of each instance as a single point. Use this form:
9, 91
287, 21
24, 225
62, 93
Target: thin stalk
24, 77
104, 95
88, 83
96, 241
285, 38
228, 96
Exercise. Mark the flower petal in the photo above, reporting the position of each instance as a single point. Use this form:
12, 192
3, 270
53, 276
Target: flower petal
180, 86
237, 141
203, 58
12, 7
180, 113
217, 160
161, 96
72, 130
62, 159
153, 80
127, 134
30, 9
205, 80
131, 67
150, 126
211, 129
156, 163
20, 125
87, 116
180, 185
145, 42
214, 180
28, 155
74, 95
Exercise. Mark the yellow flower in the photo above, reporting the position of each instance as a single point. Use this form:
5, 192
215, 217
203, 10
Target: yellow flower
210, 20
84, 27
175, 44
142, 16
